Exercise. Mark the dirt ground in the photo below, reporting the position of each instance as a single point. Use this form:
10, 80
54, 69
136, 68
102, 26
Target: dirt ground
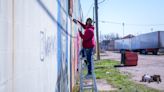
147, 64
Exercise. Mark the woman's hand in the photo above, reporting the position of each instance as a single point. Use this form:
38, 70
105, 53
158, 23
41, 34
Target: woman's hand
75, 21
79, 30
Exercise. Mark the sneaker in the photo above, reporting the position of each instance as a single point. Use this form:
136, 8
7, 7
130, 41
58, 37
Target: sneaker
86, 62
88, 76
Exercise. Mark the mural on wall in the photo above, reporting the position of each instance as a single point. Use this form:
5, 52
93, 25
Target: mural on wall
63, 50
76, 42
54, 63
62, 81
47, 41
63, 84
62, 65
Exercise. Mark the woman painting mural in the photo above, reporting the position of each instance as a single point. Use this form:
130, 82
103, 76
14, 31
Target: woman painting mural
88, 42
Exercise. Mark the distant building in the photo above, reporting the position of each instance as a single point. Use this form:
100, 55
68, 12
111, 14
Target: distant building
104, 44
128, 36
107, 45
111, 45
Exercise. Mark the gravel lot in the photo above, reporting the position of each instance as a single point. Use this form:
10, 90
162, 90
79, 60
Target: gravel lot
147, 64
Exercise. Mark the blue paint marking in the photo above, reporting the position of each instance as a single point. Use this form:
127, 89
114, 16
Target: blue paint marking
67, 36
67, 42
59, 41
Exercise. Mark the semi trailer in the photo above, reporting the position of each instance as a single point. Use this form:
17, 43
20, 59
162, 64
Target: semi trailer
144, 43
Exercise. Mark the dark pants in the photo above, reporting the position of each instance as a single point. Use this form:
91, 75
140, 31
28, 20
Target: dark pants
82, 52
89, 53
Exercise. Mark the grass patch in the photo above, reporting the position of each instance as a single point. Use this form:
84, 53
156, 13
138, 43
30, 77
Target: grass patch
104, 70
76, 88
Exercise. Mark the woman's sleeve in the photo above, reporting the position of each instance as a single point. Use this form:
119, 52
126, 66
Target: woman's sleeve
88, 35
83, 25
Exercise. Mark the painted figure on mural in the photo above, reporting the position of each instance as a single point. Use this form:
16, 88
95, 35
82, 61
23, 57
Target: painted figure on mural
88, 42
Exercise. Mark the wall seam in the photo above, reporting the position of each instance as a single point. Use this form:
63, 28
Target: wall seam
13, 44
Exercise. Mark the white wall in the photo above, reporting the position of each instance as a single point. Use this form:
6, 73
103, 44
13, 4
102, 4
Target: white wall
5, 46
21, 69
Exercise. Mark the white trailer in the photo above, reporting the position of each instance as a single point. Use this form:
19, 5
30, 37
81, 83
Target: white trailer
144, 43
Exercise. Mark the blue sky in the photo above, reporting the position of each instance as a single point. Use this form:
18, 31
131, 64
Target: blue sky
139, 16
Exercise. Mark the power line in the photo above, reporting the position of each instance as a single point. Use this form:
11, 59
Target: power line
110, 22
89, 10
130, 24
101, 1
145, 24
92, 6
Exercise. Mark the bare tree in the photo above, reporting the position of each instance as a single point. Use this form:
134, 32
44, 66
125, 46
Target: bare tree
117, 36
107, 37
111, 36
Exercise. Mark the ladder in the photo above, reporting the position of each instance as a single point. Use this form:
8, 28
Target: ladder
86, 84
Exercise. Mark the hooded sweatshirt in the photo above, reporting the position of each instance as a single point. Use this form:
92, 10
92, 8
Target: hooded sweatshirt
88, 36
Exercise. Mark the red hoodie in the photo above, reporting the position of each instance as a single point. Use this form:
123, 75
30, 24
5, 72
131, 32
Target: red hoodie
88, 36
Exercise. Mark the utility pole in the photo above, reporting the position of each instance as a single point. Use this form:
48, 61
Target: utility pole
123, 24
93, 16
97, 32
151, 29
